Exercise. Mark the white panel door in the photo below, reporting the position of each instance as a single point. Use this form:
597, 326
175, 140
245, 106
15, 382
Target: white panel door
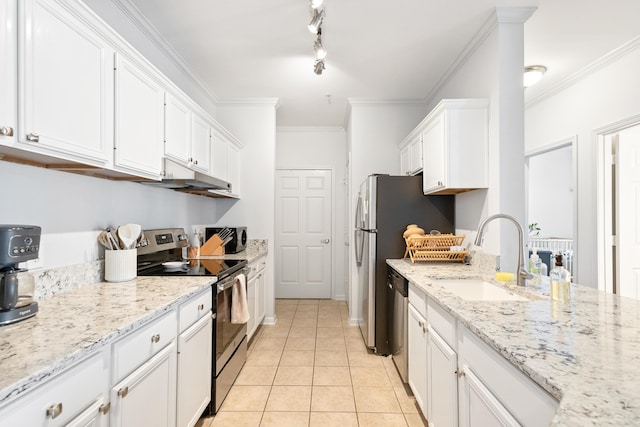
177, 129
628, 230
66, 84
303, 233
139, 125
8, 68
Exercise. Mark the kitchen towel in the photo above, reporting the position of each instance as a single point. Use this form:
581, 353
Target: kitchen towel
239, 306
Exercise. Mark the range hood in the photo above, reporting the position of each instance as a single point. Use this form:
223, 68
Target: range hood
181, 178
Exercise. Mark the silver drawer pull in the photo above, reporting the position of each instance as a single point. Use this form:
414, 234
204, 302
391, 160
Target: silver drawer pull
155, 338
459, 373
104, 408
200, 307
54, 410
6, 131
123, 392
33, 137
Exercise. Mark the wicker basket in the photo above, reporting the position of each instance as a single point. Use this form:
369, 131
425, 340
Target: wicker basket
435, 248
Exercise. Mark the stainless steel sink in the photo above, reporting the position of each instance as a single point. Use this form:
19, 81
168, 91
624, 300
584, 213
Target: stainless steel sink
478, 290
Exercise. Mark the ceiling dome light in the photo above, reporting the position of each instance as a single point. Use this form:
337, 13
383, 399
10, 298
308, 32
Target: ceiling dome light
318, 67
533, 74
316, 3
316, 21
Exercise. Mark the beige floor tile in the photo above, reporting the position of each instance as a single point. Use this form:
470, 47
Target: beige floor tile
365, 359
300, 344
331, 419
352, 332
237, 419
304, 323
308, 302
297, 358
330, 322
284, 419
301, 315
415, 420
376, 399
331, 358
381, 420
329, 333
406, 400
298, 332
331, 375
335, 344
270, 344
328, 313
204, 422
276, 331
289, 398
394, 375
256, 375
294, 375
263, 358
332, 399
355, 344
286, 316
364, 376
246, 398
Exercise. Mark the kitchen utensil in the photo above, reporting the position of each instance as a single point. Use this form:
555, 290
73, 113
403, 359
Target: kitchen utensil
142, 240
114, 242
103, 239
128, 234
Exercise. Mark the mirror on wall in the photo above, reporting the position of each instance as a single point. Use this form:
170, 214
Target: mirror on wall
550, 202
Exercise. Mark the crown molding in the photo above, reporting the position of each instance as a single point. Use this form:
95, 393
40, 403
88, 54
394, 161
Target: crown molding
336, 129
514, 14
132, 12
586, 71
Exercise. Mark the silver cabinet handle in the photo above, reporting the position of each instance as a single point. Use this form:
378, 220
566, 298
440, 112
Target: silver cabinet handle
33, 137
440, 183
200, 307
123, 392
6, 131
155, 338
104, 408
459, 373
54, 410
324, 241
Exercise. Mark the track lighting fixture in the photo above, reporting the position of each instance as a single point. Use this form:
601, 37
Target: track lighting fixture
317, 46
318, 67
316, 20
315, 4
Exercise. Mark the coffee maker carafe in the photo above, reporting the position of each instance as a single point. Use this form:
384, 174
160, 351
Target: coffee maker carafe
18, 243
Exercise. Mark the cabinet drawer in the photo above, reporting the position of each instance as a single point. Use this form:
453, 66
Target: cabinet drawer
520, 395
255, 267
195, 308
418, 299
134, 349
442, 322
65, 396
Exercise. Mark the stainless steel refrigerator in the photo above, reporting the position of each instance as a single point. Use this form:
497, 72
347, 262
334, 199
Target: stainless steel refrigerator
386, 205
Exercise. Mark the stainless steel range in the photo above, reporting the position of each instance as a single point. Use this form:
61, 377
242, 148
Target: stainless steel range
162, 256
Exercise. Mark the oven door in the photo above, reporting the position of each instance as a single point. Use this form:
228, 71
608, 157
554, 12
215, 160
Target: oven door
228, 335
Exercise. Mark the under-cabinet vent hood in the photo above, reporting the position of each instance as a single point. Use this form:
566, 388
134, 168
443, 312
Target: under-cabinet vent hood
181, 178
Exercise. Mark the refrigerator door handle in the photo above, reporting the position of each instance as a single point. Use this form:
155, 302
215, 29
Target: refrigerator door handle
358, 221
359, 246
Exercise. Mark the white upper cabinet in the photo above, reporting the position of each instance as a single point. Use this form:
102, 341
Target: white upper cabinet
456, 141
219, 148
200, 143
177, 129
139, 120
234, 168
8, 66
65, 75
411, 154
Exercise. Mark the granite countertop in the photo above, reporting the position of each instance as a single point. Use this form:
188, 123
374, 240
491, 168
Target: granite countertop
73, 324
585, 353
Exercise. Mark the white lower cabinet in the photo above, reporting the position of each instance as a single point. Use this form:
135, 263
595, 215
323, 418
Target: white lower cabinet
442, 382
256, 294
148, 395
75, 397
417, 370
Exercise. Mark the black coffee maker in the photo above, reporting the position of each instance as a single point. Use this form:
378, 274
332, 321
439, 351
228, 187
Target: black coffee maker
18, 243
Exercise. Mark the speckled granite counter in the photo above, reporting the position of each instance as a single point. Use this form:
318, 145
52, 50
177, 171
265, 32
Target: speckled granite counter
584, 353
72, 324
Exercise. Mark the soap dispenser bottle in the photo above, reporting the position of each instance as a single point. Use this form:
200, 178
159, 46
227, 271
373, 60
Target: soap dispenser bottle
560, 279
535, 266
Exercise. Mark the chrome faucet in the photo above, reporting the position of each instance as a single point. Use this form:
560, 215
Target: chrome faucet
522, 271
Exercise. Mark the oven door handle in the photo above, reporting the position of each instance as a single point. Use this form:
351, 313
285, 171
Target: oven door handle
228, 282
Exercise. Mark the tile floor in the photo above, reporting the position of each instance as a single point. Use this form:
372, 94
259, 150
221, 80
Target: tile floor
312, 369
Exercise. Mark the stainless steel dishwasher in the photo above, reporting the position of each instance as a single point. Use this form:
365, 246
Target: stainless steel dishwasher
397, 303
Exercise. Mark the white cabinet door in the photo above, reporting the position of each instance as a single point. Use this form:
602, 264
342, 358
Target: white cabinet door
194, 371
415, 155
478, 406
442, 381
234, 168
95, 415
417, 337
177, 129
147, 397
139, 120
261, 297
433, 176
251, 303
200, 143
8, 68
405, 167
65, 84
219, 147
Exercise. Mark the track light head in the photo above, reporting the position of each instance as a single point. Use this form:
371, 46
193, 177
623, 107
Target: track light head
315, 4
316, 21
321, 53
318, 67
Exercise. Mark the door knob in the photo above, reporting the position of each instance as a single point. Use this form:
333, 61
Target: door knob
324, 241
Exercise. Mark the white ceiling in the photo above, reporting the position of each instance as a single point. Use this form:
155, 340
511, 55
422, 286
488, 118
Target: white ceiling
376, 50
